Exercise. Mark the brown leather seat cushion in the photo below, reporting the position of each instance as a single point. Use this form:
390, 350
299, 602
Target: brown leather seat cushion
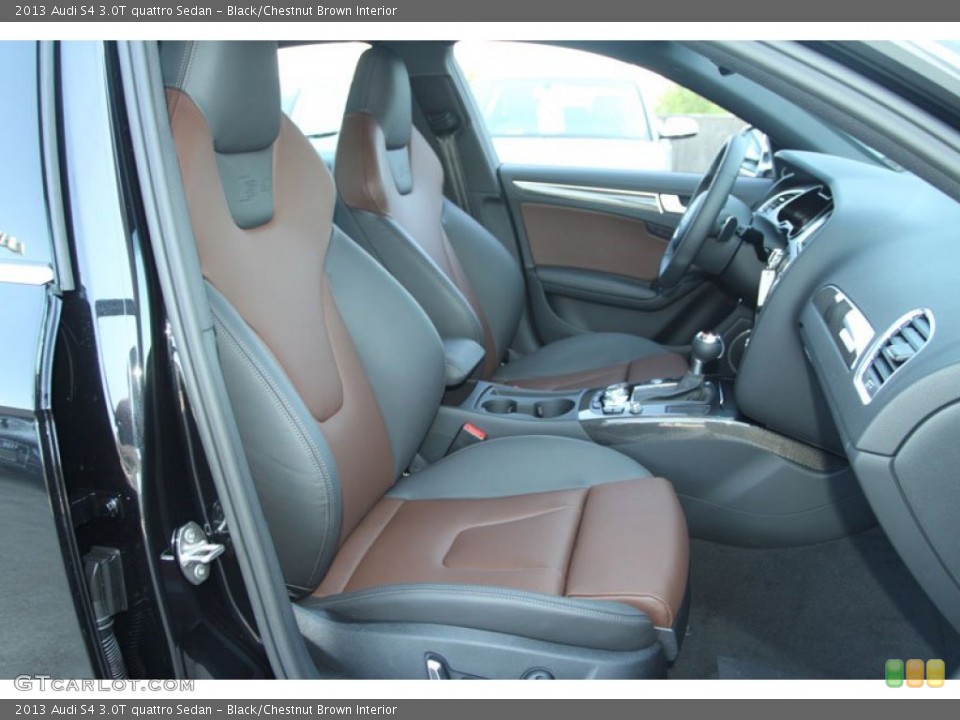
624, 541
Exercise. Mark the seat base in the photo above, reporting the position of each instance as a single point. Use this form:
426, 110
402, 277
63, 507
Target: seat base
399, 651
564, 519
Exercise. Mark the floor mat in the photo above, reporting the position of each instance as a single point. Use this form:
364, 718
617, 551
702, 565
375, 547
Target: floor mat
731, 668
835, 610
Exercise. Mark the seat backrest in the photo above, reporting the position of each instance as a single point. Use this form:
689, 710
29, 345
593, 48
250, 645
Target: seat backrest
333, 371
391, 182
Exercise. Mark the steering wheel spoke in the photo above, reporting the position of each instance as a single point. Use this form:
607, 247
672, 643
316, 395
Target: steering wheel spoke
702, 212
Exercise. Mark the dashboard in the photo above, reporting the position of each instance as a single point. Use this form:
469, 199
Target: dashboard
790, 217
856, 347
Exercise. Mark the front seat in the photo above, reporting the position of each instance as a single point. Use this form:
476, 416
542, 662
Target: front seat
519, 555
391, 187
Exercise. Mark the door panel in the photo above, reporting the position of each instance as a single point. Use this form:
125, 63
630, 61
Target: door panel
592, 241
564, 237
599, 287
673, 322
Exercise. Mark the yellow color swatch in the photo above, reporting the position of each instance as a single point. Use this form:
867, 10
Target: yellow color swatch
936, 672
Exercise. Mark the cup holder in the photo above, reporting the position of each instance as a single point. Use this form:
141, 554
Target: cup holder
529, 407
500, 406
553, 408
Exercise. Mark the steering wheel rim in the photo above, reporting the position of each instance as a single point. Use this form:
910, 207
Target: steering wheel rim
702, 212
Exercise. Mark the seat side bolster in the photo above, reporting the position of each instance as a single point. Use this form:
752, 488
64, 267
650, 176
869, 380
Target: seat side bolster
494, 274
292, 466
593, 624
444, 303
518, 466
398, 347
620, 519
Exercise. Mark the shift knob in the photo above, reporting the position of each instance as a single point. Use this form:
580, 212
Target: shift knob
706, 348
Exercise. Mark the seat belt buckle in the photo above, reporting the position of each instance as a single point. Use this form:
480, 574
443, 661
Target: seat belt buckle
468, 434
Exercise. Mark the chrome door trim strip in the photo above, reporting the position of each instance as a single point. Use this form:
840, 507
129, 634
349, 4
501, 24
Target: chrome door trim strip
25, 273
632, 199
663, 203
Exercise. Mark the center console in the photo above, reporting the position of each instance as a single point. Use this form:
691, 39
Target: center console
739, 482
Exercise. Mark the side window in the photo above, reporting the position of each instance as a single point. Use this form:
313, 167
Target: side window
25, 239
314, 82
545, 105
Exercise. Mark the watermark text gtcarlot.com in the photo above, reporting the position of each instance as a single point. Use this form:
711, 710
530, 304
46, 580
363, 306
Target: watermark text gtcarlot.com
47, 683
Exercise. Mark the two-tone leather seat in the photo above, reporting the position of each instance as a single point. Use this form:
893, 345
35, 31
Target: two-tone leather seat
391, 186
511, 554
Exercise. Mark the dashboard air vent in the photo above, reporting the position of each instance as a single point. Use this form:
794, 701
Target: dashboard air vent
779, 200
893, 350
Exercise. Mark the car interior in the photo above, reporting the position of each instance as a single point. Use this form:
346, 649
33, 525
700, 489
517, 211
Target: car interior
509, 421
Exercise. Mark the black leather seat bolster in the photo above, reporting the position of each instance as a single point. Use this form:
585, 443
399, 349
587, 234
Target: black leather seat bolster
518, 466
592, 624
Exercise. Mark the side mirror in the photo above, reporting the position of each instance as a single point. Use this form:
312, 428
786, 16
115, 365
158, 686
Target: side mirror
758, 161
677, 127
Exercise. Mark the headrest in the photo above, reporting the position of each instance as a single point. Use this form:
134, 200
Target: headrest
381, 88
235, 84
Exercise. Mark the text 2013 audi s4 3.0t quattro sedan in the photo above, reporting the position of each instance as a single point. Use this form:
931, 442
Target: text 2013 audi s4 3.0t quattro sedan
317, 363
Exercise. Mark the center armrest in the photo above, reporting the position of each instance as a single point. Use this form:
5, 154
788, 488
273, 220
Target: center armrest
463, 356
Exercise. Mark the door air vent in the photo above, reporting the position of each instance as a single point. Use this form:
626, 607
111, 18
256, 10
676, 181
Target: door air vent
896, 347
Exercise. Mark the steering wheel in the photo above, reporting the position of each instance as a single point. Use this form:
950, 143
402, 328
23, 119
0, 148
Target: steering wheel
701, 214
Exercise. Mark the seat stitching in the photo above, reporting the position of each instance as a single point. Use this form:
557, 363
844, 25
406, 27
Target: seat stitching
525, 516
612, 598
373, 541
326, 298
300, 432
576, 539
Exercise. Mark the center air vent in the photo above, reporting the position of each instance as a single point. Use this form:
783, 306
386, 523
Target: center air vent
896, 347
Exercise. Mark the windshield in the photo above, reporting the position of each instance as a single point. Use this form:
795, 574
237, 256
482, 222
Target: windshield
943, 54
930, 67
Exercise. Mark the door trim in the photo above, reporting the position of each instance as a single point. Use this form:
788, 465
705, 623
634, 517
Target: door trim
631, 199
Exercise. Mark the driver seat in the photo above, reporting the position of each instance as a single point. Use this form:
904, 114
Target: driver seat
392, 203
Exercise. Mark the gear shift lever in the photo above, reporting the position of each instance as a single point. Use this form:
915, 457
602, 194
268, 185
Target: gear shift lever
706, 348
691, 388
